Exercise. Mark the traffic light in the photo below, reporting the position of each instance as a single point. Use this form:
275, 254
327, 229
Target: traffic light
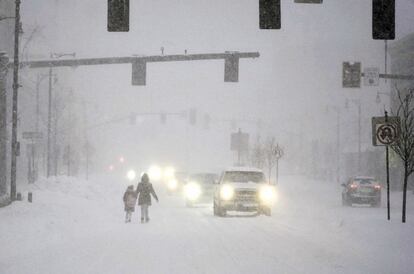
309, 1
193, 117
139, 73
233, 124
207, 120
269, 11
132, 119
231, 68
383, 19
351, 75
163, 118
118, 15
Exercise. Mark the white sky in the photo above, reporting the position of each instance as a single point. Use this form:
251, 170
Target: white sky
289, 86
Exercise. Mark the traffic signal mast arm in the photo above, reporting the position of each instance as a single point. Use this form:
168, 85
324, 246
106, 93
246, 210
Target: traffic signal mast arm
393, 76
124, 118
131, 59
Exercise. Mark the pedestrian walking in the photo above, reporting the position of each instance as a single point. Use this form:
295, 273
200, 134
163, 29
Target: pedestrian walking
130, 199
145, 190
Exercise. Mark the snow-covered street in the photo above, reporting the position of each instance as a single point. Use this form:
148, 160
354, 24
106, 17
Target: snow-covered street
77, 226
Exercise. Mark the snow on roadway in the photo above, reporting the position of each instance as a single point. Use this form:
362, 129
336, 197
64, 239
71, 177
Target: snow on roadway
76, 226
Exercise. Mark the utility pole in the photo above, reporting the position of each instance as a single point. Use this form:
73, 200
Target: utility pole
4, 60
15, 97
55, 131
388, 173
338, 145
359, 136
49, 125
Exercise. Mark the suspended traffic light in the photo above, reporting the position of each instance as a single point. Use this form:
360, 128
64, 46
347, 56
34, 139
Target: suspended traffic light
383, 19
231, 68
207, 120
193, 117
309, 1
132, 119
163, 118
269, 11
139, 72
351, 75
118, 15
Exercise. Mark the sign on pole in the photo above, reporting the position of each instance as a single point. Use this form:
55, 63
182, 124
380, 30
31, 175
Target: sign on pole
239, 141
385, 133
371, 76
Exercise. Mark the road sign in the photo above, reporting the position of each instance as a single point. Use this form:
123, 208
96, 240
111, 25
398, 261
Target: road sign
351, 75
385, 133
239, 141
32, 135
371, 76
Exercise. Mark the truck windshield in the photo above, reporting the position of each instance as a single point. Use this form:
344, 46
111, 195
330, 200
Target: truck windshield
243, 177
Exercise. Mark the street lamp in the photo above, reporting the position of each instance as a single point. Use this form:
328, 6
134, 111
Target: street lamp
357, 102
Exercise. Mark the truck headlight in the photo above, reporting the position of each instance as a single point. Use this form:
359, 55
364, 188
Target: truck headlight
172, 184
267, 194
226, 192
192, 191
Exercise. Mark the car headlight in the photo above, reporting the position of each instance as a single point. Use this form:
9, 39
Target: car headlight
192, 191
267, 194
172, 184
155, 173
226, 192
169, 173
131, 175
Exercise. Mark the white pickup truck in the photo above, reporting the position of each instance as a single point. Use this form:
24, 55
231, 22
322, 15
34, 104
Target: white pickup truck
243, 189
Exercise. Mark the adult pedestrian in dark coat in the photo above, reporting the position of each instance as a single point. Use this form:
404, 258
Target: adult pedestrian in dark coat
145, 190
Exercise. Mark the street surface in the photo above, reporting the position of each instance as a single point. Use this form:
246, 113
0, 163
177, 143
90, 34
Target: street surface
76, 226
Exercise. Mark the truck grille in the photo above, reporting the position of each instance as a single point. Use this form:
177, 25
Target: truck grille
246, 195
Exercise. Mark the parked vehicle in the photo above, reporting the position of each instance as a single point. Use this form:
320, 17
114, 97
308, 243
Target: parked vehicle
243, 189
361, 190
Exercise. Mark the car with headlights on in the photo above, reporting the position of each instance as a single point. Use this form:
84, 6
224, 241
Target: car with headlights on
243, 189
361, 190
176, 183
199, 188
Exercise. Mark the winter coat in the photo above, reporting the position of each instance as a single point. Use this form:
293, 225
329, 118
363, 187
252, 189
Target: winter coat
130, 198
145, 190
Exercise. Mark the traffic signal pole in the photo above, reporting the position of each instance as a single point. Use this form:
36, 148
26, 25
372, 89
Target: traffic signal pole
14, 106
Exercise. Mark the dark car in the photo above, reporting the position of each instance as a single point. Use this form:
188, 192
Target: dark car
199, 188
361, 190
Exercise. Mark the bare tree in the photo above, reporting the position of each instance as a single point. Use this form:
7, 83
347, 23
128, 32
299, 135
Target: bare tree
404, 147
273, 152
257, 156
